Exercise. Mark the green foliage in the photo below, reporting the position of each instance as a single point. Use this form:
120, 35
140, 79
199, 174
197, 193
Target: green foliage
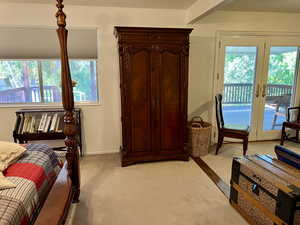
12, 71
81, 73
16, 73
240, 68
51, 72
282, 68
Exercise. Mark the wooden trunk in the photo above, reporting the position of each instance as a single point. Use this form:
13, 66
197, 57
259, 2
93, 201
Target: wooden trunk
154, 82
266, 191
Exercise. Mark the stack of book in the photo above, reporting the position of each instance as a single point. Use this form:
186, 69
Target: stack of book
39, 123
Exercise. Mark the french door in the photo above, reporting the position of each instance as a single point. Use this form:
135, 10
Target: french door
258, 79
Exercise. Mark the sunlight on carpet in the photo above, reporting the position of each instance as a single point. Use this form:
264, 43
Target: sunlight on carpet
221, 163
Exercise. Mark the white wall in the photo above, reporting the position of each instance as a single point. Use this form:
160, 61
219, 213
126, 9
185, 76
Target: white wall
203, 48
200, 8
101, 124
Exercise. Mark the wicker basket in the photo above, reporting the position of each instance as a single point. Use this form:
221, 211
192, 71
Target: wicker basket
199, 136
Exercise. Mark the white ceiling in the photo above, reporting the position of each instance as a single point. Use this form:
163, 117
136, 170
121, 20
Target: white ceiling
156, 4
288, 6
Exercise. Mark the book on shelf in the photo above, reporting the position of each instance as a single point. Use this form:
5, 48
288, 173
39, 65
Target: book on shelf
29, 124
56, 124
59, 125
47, 124
43, 122
25, 125
53, 123
31, 130
21, 124
39, 123
19, 118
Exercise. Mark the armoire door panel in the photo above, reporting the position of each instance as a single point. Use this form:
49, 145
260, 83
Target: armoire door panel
171, 119
139, 95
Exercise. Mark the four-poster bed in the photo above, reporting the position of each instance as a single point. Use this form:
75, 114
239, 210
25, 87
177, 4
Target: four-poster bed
42, 188
66, 189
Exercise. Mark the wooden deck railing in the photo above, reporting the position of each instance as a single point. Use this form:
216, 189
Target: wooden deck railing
29, 95
242, 93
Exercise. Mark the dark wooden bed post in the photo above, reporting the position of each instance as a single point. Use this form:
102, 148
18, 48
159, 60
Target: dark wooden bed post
68, 104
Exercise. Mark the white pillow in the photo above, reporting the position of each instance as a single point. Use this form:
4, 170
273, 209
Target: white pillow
5, 183
9, 153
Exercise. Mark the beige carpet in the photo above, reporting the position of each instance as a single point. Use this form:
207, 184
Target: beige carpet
221, 163
163, 193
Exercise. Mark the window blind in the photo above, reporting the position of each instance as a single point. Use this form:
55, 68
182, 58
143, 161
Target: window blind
42, 43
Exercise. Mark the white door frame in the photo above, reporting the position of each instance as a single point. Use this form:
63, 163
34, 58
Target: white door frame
224, 37
280, 42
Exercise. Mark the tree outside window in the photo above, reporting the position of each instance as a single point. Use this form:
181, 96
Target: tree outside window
38, 81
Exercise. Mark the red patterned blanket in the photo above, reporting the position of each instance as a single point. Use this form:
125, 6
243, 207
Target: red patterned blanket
34, 173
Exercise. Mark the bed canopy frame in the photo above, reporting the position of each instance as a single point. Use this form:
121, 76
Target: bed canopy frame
66, 188
68, 102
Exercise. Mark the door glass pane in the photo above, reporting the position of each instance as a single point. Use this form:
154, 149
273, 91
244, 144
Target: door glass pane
239, 76
280, 85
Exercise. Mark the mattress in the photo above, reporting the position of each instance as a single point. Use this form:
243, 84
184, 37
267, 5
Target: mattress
34, 174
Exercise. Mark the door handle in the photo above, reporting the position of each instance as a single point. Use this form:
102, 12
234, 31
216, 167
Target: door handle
257, 90
264, 90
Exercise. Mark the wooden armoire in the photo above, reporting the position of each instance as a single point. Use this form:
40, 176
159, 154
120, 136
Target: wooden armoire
154, 93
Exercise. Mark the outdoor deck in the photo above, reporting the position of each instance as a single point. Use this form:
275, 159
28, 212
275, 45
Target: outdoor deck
237, 100
240, 114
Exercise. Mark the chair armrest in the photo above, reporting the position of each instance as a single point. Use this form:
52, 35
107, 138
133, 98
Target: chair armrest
289, 109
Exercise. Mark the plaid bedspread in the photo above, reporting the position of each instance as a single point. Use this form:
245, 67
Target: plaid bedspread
34, 173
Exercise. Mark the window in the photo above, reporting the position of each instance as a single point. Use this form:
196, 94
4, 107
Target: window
38, 81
